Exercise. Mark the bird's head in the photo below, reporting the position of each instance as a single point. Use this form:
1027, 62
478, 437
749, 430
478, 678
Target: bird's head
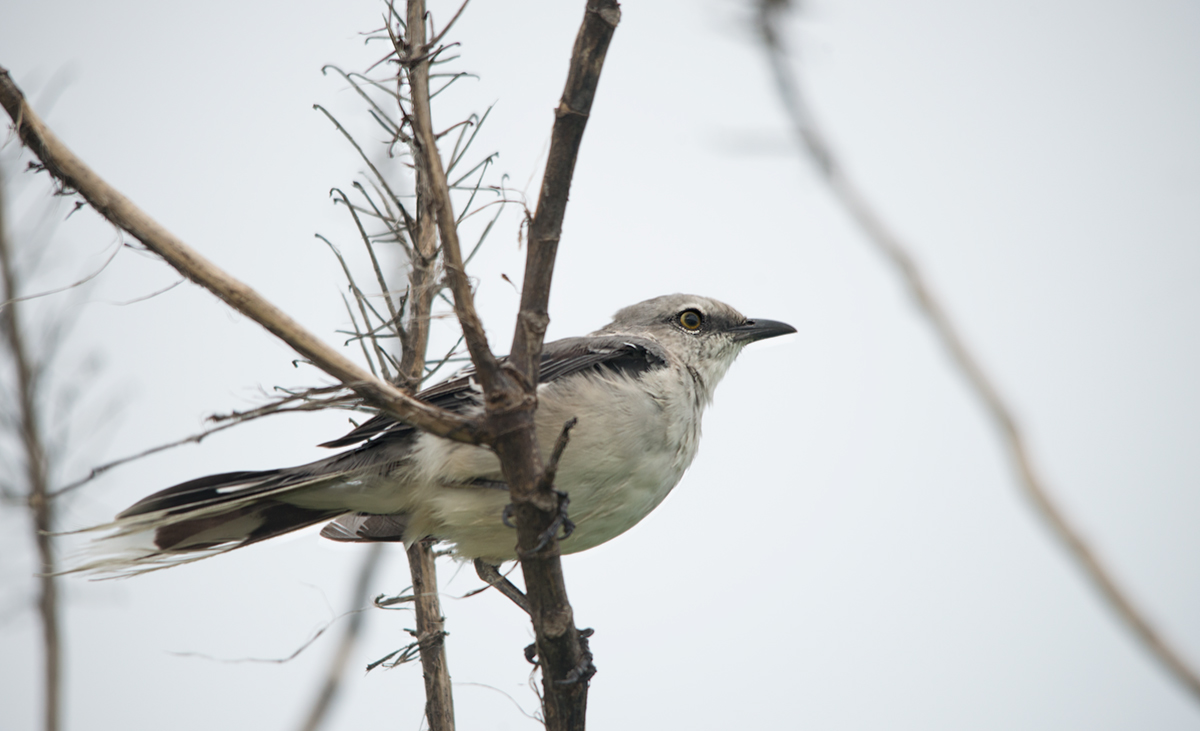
705, 334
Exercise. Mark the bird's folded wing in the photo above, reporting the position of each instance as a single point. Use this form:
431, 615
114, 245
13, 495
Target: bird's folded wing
624, 354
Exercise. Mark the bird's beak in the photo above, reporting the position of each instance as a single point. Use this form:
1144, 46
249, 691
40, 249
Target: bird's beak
752, 330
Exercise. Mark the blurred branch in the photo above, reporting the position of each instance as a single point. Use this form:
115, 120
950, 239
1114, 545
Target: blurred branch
38, 498
323, 701
115, 207
813, 140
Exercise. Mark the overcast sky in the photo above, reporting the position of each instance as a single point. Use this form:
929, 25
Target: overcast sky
850, 550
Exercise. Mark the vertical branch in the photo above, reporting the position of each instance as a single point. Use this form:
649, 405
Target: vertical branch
431, 637
36, 476
416, 56
566, 662
422, 286
879, 234
570, 118
418, 236
510, 395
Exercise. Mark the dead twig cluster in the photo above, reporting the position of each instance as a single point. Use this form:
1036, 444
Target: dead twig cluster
405, 224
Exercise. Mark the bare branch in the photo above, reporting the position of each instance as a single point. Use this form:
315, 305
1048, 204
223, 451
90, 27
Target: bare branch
422, 285
437, 38
509, 392
119, 210
431, 636
413, 55
560, 647
439, 696
495, 579
353, 614
571, 116
510, 396
152, 295
361, 340
360, 300
378, 176
846, 190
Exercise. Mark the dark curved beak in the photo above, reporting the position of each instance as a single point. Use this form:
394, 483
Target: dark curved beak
752, 330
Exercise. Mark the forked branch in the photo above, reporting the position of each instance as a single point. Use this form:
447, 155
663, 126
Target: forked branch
510, 391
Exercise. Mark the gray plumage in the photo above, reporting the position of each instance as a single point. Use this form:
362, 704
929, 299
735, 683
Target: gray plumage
637, 388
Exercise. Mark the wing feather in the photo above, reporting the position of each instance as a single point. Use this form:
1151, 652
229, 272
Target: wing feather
631, 356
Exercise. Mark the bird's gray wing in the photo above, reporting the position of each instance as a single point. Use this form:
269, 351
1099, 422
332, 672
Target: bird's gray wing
628, 355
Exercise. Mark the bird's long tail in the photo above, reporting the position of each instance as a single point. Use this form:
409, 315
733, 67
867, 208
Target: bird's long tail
202, 518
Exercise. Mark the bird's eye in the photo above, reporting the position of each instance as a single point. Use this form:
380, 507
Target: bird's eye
690, 320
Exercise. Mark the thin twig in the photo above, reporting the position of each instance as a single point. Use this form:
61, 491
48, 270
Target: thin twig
394, 318
374, 170
391, 127
846, 190
437, 38
300, 650
12, 299
360, 299
226, 421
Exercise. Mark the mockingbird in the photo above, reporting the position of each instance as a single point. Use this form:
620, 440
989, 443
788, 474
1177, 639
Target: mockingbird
636, 387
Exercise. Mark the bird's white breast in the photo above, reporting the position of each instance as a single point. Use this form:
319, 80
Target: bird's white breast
621, 462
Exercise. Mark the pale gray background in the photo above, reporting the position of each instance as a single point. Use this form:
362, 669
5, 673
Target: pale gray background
863, 562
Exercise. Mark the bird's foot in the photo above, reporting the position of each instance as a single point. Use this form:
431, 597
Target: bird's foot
561, 520
582, 672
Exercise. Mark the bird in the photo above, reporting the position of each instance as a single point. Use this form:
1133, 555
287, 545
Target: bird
636, 390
